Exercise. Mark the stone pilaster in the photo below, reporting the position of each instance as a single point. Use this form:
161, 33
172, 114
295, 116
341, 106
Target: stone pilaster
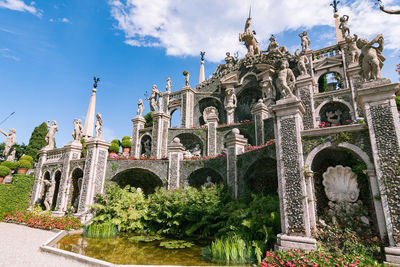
305, 88
160, 134
354, 78
295, 218
187, 106
235, 143
260, 113
72, 151
175, 155
93, 175
37, 186
378, 101
212, 123
138, 124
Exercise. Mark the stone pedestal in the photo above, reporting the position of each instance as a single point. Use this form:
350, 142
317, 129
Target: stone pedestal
305, 85
260, 112
160, 135
293, 195
187, 106
212, 123
138, 124
378, 101
93, 175
175, 155
235, 143
37, 186
72, 151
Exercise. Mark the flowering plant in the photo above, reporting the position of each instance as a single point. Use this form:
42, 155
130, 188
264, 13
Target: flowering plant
324, 125
249, 148
42, 221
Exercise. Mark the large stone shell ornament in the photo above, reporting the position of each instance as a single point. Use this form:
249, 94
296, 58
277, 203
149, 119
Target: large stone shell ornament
340, 184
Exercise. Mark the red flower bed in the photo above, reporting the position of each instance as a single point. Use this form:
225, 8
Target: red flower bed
42, 221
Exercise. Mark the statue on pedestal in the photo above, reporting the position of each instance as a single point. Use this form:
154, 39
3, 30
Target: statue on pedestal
153, 98
285, 82
169, 85
50, 136
77, 133
140, 107
99, 125
352, 50
344, 25
9, 151
186, 74
305, 41
371, 58
302, 63
249, 39
49, 191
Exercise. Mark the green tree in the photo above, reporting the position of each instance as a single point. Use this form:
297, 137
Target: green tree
37, 141
149, 119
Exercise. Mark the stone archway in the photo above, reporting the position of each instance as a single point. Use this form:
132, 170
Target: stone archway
57, 180
210, 102
145, 145
199, 177
190, 141
261, 177
77, 177
326, 108
247, 98
138, 178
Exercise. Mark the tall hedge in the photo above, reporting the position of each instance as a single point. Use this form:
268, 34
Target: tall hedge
15, 196
37, 141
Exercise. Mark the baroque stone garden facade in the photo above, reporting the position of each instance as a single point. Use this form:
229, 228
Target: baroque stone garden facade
268, 122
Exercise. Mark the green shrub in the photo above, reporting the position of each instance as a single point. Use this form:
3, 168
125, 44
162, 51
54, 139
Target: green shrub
107, 230
24, 164
126, 143
114, 148
149, 119
15, 196
9, 164
116, 141
27, 157
4, 171
126, 138
398, 102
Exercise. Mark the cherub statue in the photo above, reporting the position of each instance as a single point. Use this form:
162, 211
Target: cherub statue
286, 80
302, 63
8, 146
49, 191
77, 133
371, 58
352, 50
50, 136
99, 125
344, 25
140, 107
186, 74
305, 41
169, 85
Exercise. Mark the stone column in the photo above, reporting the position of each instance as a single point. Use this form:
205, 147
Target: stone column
138, 124
93, 175
71, 151
260, 113
235, 143
378, 101
212, 123
353, 76
37, 187
294, 209
305, 88
160, 135
175, 155
187, 106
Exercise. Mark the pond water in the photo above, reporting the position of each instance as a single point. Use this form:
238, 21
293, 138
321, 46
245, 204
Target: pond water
120, 250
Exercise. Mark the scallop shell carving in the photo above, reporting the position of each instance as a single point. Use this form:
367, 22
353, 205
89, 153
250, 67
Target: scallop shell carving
340, 184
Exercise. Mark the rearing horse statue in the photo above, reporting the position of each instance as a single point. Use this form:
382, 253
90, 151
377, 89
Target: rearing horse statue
249, 39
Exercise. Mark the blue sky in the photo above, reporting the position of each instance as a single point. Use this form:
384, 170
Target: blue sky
51, 49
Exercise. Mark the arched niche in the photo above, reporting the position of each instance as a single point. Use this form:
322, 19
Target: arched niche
189, 141
330, 81
199, 177
57, 180
76, 186
261, 177
138, 178
247, 98
209, 102
335, 112
145, 145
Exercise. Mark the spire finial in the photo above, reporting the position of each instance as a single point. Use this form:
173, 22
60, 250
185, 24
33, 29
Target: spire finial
202, 54
334, 4
96, 80
250, 11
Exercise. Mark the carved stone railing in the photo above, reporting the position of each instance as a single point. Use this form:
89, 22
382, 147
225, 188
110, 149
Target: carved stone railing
330, 51
175, 95
55, 155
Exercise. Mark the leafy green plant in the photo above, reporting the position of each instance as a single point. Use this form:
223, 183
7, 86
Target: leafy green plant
26, 157
105, 230
114, 148
145, 238
9, 164
174, 244
126, 138
116, 141
37, 141
126, 143
149, 119
24, 164
4, 171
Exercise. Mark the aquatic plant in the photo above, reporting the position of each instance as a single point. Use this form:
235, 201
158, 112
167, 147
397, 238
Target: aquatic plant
174, 244
145, 238
106, 230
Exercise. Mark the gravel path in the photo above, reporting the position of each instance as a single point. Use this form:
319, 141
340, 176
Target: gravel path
20, 248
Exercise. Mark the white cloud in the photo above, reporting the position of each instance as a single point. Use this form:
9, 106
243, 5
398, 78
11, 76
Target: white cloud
186, 27
64, 20
20, 5
6, 53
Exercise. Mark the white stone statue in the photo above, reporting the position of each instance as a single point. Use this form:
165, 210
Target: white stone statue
267, 90
9, 151
99, 125
140, 107
209, 112
50, 136
249, 39
334, 117
147, 148
371, 58
186, 74
78, 130
285, 82
302, 63
230, 99
273, 47
340, 184
187, 154
305, 41
153, 98
169, 85
196, 152
208, 182
49, 192
344, 25
352, 50
159, 101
